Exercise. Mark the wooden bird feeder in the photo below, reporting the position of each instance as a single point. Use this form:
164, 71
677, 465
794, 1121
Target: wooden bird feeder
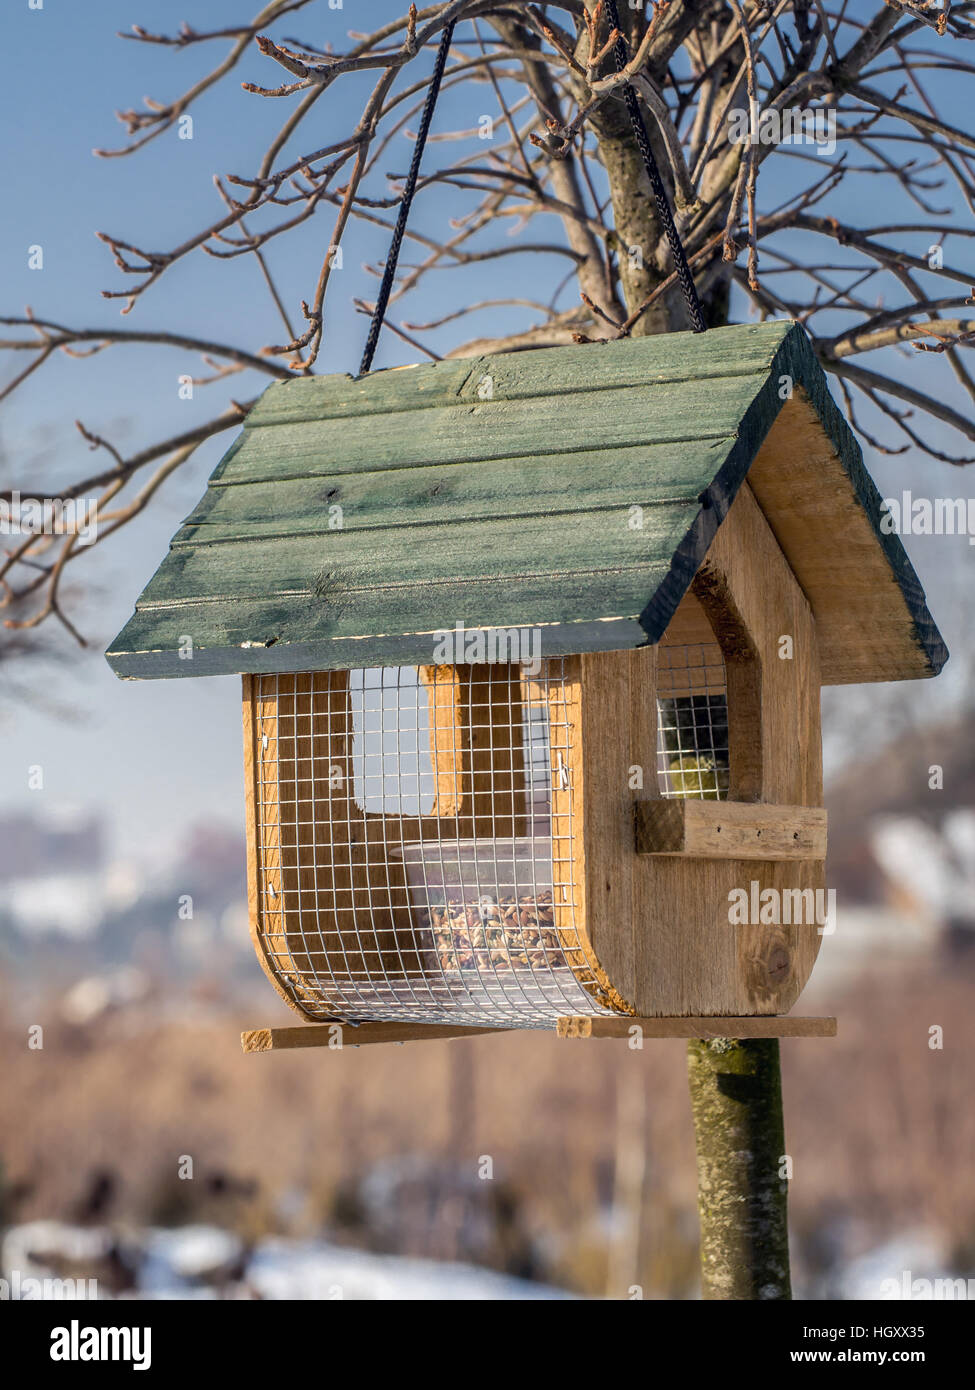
532, 648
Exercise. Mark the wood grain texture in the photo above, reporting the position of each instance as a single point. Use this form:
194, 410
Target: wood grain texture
498, 509
444, 494
818, 518
654, 935
485, 431
730, 830
602, 976
614, 754
333, 919
273, 633
769, 1026
333, 568
690, 626
689, 958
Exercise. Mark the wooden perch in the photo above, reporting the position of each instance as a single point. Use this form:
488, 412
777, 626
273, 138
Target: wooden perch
730, 830
336, 1034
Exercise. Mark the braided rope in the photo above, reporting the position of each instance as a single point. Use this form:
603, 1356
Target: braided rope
389, 273
684, 275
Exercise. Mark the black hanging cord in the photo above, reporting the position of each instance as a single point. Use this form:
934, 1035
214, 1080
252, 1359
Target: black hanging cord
656, 183
684, 275
389, 274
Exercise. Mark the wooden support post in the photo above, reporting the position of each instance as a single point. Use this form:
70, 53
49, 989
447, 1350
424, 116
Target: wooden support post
736, 1098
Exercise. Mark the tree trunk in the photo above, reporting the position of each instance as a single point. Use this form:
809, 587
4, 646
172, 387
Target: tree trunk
736, 1097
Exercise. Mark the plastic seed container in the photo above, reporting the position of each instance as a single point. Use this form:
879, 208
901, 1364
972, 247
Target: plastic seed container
483, 908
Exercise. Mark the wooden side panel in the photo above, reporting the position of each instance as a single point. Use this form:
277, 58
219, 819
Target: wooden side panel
615, 758
690, 625
773, 606
566, 769
334, 918
661, 925
743, 679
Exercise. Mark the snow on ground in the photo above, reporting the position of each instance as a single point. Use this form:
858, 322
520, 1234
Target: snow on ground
286, 1269
911, 1266
206, 1262
194, 1262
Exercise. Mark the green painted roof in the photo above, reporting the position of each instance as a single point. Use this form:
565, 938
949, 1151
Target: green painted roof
493, 491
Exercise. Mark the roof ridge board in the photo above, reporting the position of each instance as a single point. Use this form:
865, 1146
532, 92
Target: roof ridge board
653, 346
584, 387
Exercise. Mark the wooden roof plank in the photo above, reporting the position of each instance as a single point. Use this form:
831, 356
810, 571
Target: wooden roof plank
386, 626
491, 430
331, 565
592, 479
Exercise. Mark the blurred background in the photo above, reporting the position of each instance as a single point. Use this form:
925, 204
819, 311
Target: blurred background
123, 917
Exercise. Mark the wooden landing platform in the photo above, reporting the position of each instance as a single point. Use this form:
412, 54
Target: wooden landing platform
338, 1035
765, 1026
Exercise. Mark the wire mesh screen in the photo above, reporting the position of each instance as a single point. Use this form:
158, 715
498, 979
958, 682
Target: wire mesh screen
692, 721
415, 847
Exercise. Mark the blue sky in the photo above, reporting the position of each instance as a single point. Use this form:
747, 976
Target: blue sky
156, 756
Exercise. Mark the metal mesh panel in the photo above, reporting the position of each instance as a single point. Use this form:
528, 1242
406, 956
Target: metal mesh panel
692, 722
416, 830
